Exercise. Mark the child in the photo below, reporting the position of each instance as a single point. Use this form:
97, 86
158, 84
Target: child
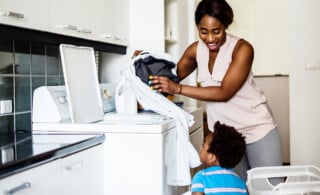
222, 150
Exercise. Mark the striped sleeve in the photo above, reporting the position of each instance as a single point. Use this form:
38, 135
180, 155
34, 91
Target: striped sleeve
197, 184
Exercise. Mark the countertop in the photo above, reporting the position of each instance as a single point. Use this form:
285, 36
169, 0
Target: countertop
21, 151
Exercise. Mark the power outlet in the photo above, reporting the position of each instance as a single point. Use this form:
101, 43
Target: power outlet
5, 106
312, 65
7, 154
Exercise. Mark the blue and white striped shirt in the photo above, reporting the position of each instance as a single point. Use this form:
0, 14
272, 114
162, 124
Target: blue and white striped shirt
217, 180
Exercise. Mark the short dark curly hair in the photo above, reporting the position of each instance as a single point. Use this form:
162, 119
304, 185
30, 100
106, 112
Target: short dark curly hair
218, 9
227, 144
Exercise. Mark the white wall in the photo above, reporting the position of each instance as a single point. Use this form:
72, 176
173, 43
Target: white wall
187, 34
265, 25
304, 39
146, 33
285, 35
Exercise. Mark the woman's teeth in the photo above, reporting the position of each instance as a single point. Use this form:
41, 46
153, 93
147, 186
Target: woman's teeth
212, 46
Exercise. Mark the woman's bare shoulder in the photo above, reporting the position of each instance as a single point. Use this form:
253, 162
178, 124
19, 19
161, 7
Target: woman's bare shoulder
191, 50
243, 44
243, 48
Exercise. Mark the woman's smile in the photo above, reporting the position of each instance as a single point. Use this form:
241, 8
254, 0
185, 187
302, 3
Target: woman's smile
213, 46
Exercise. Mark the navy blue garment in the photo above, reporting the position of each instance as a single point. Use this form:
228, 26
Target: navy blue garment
150, 65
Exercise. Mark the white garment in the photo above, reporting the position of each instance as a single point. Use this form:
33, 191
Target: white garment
180, 154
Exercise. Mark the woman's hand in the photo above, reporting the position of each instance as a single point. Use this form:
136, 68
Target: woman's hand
164, 85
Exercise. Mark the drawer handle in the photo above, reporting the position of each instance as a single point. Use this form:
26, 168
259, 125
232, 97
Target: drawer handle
75, 166
12, 14
23, 186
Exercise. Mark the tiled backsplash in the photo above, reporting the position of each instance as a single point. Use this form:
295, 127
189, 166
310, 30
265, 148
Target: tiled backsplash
24, 66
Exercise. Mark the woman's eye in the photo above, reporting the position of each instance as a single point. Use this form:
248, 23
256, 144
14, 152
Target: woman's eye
216, 32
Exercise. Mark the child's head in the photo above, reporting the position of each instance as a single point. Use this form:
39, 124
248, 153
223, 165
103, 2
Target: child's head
225, 147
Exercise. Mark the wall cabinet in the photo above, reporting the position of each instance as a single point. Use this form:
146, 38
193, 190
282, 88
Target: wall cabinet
113, 21
74, 17
79, 173
147, 25
33, 14
100, 20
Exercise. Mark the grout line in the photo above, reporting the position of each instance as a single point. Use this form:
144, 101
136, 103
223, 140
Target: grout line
14, 86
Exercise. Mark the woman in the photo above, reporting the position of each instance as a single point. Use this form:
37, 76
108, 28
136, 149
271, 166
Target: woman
223, 62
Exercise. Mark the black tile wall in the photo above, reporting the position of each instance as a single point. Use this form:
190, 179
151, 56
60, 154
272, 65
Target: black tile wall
24, 66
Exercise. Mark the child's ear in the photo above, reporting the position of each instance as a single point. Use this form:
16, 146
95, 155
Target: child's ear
212, 158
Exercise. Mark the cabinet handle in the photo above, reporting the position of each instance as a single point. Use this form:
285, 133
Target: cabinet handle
67, 26
84, 30
115, 37
119, 38
108, 36
12, 14
75, 166
23, 186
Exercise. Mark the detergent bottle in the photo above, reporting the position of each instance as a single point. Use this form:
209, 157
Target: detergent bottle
125, 100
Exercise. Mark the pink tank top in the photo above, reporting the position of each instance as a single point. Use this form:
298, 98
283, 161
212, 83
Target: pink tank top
247, 110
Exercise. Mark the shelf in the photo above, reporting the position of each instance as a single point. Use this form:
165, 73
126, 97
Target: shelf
170, 40
168, 1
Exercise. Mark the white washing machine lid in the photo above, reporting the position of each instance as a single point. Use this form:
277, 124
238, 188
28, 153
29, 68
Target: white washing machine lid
113, 123
82, 85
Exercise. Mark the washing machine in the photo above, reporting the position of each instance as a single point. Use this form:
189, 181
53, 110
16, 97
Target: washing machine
135, 144
134, 148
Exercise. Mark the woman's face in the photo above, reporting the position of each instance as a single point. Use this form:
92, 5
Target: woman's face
211, 32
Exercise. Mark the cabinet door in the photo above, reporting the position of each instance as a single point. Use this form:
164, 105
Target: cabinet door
113, 21
25, 13
44, 179
82, 173
76, 18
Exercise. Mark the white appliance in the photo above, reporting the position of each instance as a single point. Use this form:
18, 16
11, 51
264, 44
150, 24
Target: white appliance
134, 148
134, 157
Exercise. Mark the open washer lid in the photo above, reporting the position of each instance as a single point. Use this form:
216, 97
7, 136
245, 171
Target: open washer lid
82, 85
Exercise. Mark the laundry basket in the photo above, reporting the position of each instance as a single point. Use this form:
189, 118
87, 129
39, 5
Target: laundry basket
297, 180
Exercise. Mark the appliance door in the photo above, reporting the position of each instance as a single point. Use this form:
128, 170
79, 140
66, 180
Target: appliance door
81, 78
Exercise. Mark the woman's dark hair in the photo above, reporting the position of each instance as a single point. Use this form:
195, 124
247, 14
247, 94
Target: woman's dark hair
227, 144
218, 9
